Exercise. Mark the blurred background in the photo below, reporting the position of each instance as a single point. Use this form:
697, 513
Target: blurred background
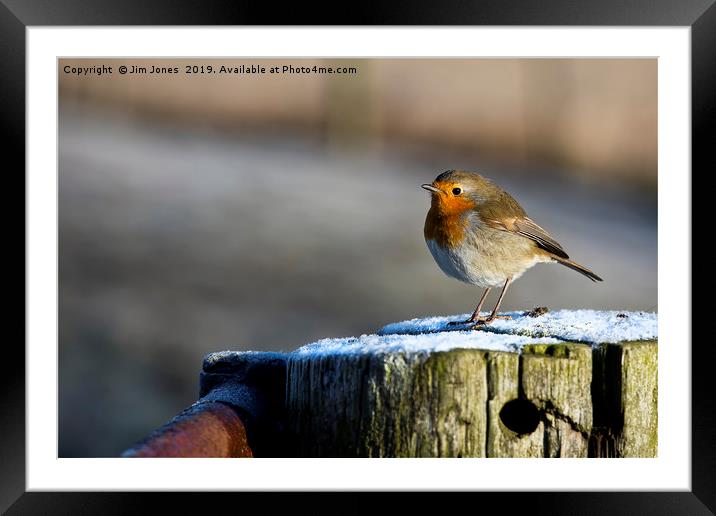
203, 212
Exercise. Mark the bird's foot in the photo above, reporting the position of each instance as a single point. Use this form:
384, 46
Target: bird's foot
479, 321
487, 320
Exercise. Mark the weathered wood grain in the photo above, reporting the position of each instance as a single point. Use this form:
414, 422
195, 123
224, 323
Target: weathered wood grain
625, 392
557, 378
550, 400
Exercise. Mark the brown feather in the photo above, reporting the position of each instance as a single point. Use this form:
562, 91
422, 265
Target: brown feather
579, 268
527, 227
507, 215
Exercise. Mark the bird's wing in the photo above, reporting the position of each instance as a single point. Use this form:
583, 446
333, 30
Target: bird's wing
508, 215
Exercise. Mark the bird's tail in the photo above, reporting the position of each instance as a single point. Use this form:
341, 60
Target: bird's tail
579, 268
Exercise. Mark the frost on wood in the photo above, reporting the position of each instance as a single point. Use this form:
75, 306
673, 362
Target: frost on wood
520, 388
425, 343
589, 326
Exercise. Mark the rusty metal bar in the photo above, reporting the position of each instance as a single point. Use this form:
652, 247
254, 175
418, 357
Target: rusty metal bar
206, 429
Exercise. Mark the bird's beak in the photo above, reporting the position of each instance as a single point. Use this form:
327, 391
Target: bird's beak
431, 188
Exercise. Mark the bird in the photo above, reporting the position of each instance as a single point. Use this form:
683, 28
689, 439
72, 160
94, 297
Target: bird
480, 235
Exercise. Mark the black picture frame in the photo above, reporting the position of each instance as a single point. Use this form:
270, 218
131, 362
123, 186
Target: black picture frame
17, 15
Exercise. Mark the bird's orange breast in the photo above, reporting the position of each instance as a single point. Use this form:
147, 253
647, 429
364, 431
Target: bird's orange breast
446, 224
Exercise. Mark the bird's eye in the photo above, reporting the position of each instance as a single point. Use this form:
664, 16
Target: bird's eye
456, 191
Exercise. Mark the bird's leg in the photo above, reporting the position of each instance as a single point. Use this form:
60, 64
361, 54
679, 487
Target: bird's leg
494, 315
476, 314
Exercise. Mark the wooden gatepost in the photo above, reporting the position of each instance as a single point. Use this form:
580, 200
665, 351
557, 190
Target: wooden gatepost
561, 384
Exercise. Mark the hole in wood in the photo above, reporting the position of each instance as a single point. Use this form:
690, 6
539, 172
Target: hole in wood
520, 416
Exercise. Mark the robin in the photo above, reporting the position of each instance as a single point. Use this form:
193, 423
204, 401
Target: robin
480, 235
